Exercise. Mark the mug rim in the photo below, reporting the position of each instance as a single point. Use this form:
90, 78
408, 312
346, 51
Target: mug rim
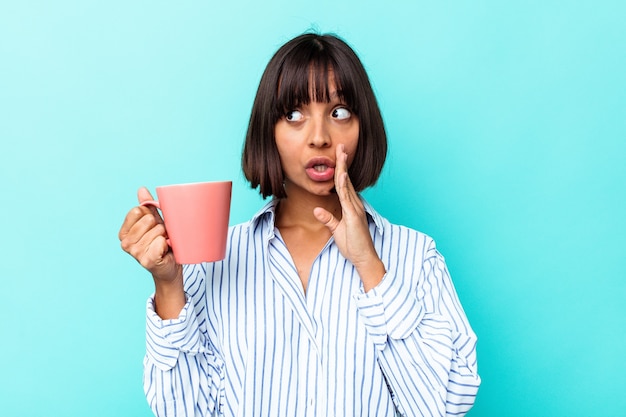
185, 184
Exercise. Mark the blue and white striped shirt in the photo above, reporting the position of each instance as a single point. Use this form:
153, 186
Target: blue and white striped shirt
250, 342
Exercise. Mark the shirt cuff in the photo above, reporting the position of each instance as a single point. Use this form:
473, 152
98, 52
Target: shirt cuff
391, 309
166, 339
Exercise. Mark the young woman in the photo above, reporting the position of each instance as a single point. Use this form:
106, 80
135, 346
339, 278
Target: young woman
321, 306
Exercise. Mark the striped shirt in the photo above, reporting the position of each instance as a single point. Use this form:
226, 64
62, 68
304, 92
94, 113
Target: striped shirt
250, 342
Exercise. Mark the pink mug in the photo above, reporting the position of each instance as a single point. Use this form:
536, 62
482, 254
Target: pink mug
196, 218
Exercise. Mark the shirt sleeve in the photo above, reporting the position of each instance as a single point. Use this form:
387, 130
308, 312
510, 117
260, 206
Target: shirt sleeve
426, 347
183, 375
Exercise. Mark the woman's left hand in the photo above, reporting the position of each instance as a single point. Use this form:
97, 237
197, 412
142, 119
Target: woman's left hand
351, 233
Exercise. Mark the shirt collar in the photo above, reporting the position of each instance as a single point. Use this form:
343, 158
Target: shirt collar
267, 215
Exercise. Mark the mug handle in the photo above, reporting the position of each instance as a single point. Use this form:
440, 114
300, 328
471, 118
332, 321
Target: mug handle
151, 203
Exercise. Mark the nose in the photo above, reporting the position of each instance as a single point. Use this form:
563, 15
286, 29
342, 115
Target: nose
319, 136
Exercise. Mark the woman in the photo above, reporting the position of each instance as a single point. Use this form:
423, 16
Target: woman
321, 306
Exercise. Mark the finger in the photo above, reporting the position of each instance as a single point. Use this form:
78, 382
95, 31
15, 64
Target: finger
143, 194
150, 235
341, 170
340, 163
326, 218
345, 183
154, 254
132, 217
150, 247
158, 250
136, 232
348, 197
344, 189
354, 196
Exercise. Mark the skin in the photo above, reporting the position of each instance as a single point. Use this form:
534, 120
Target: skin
306, 219
143, 236
312, 212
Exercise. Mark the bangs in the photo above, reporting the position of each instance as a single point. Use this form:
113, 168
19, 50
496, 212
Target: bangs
307, 75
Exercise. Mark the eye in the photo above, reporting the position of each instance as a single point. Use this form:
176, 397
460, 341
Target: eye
293, 116
341, 113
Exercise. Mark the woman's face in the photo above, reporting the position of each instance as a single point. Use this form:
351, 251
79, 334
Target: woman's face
307, 138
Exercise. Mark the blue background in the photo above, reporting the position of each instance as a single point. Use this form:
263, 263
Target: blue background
507, 136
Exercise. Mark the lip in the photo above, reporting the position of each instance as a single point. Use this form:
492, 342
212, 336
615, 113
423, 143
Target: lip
326, 175
320, 161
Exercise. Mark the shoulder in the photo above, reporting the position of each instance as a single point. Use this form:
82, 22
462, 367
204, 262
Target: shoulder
409, 241
402, 238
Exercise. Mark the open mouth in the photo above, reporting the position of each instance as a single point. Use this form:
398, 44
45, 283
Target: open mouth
321, 169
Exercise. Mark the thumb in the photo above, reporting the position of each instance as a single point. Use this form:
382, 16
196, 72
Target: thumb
144, 195
325, 217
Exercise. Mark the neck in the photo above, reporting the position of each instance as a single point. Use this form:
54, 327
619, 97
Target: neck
298, 210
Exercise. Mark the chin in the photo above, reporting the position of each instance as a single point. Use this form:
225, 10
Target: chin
321, 191
328, 192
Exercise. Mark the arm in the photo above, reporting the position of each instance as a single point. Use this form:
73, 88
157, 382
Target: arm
351, 231
183, 374
426, 348
144, 237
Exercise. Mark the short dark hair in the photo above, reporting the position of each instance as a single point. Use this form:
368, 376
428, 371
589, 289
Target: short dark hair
285, 85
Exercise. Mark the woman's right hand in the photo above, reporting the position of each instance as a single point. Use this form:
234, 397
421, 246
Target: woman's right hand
144, 237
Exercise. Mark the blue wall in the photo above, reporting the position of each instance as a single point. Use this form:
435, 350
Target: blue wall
507, 144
